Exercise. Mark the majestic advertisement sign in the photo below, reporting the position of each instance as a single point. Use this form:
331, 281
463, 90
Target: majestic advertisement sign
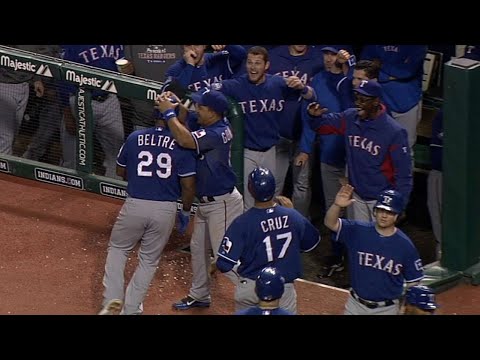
34, 67
87, 80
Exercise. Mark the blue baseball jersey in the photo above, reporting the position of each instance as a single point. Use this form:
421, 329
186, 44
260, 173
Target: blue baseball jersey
215, 175
304, 67
332, 145
378, 156
100, 56
274, 236
256, 310
154, 163
216, 67
401, 73
436, 142
379, 265
262, 105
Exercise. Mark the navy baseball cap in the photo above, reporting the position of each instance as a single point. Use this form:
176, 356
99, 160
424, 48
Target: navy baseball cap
369, 88
472, 52
214, 99
335, 48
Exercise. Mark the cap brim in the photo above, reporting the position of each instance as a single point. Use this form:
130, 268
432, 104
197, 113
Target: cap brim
329, 48
388, 208
363, 92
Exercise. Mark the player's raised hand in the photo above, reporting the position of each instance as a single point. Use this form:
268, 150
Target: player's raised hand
218, 48
344, 196
190, 57
343, 56
315, 109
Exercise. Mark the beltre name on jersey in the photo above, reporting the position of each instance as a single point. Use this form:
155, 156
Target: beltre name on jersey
156, 140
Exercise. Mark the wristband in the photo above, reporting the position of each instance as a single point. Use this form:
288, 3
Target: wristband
168, 114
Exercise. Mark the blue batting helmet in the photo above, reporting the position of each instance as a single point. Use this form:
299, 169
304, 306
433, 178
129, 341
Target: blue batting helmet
269, 284
422, 297
390, 200
261, 184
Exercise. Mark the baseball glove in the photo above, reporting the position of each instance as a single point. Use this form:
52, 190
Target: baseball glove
284, 201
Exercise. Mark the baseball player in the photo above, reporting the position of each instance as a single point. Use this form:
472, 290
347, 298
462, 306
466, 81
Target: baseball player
158, 172
401, 75
296, 138
330, 147
198, 70
381, 257
106, 110
262, 97
420, 300
219, 200
363, 70
269, 288
376, 145
268, 234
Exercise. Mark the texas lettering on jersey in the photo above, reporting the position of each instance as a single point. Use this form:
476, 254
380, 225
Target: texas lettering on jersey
364, 144
100, 51
379, 262
196, 86
302, 76
260, 106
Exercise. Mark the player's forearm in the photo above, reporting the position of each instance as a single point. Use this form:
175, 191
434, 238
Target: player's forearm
332, 217
309, 93
181, 134
188, 192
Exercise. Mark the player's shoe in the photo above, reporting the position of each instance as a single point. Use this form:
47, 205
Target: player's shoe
335, 264
113, 307
188, 302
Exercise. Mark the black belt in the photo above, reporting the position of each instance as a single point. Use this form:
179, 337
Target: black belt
371, 304
207, 199
100, 98
259, 150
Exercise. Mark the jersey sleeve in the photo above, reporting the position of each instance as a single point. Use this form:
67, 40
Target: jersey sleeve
413, 270
237, 54
123, 153
331, 123
311, 237
187, 163
345, 230
206, 140
402, 165
231, 247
